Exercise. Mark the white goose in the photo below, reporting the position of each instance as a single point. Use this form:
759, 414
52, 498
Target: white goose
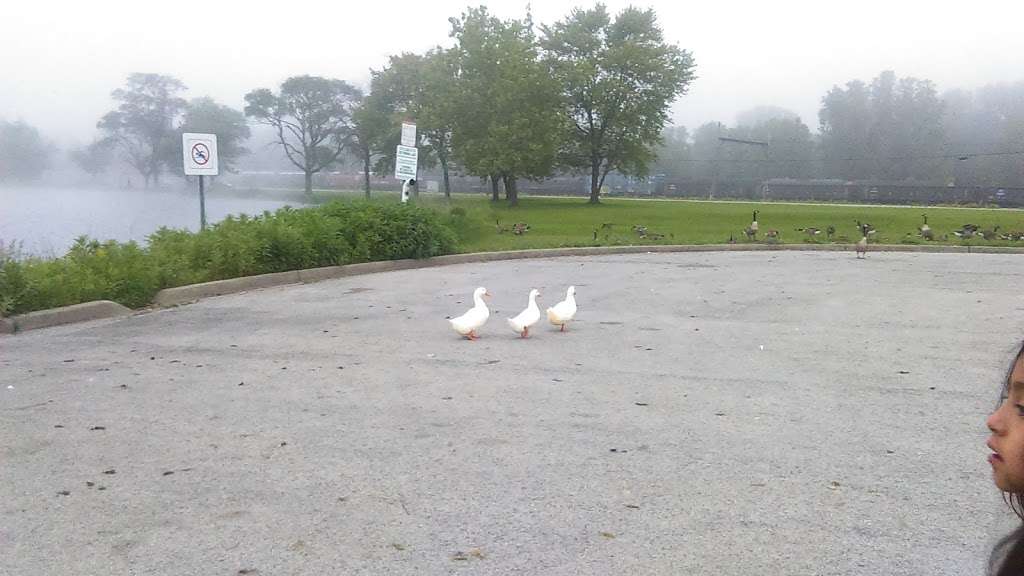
468, 323
560, 314
521, 323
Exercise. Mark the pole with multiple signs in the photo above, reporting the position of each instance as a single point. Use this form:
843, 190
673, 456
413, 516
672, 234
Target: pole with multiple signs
407, 159
199, 153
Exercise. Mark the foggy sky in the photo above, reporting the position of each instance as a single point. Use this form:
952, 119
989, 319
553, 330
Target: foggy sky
59, 61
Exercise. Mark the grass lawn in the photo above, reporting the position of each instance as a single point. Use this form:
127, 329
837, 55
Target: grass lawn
563, 222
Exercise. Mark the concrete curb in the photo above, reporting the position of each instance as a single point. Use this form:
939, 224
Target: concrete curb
187, 294
183, 294
66, 315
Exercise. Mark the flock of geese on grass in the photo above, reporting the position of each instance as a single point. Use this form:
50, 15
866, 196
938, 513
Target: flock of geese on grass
924, 231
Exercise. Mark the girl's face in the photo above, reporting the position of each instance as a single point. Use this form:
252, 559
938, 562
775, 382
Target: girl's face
1007, 439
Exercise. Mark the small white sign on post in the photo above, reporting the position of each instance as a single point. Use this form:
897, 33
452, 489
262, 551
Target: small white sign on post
408, 134
406, 158
200, 154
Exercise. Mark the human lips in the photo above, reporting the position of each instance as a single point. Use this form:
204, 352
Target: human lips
994, 456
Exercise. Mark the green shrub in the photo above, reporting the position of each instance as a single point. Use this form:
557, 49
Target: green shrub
288, 239
391, 231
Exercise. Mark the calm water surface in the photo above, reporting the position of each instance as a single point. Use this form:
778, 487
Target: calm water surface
46, 220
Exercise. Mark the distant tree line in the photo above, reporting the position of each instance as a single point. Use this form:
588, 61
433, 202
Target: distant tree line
588, 95
891, 130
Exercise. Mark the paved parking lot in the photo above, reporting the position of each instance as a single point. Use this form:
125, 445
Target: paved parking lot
708, 413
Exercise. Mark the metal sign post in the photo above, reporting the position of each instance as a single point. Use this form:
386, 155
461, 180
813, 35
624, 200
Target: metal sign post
202, 205
407, 160
199, 152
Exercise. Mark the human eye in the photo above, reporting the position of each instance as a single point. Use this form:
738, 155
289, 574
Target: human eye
1020, 410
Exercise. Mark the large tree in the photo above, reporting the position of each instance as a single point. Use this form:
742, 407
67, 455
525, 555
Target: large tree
143, 123
93, 158
371, 127
986, 128
762, 114
24, 154
510, 120
422, 89
790, 150
312, 116
619, 78
891, 129
205, 116
674, 154
788, 153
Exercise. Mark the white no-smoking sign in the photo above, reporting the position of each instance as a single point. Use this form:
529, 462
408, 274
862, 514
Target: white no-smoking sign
200, 154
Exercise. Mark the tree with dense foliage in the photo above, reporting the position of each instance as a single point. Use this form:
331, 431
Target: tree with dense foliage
618, 78
24, 154
371, 130
206, 116
889, 130
93, 158
989, 122
421, 89
143, 123
312, 116
674, 154
511, 115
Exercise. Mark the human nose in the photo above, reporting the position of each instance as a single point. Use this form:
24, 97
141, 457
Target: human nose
993, 421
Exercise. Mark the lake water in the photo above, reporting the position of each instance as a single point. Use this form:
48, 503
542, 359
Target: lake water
46, 220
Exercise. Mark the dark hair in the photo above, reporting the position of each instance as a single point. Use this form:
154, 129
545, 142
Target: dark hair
1008, 554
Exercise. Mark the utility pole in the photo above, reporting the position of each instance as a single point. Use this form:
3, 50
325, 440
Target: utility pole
718, 151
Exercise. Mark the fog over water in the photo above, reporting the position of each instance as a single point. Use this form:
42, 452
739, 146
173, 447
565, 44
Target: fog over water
46, 220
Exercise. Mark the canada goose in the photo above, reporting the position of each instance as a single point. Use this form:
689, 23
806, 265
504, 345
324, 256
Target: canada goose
989, 234
965, 233
520, 228
865, 228
811, 232
751, 231
862, 244
771, 236
925, 231
499, 227
830, 232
